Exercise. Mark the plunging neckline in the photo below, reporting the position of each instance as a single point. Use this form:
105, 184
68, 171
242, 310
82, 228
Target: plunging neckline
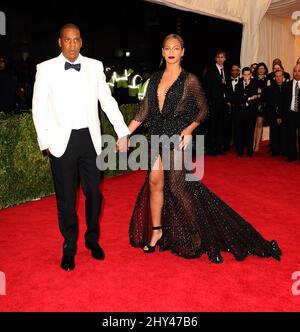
166, 94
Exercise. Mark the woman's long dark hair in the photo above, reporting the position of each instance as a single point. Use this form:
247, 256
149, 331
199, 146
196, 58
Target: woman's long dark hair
261, 64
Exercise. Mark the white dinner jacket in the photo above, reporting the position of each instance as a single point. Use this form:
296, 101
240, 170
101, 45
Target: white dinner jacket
52, 117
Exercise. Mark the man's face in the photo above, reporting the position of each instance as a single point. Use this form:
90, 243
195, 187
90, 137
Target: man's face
220, 59
70, 43
279, 77
247, 75
235, 71
296, 72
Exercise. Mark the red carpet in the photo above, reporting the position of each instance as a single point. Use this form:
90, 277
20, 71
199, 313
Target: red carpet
264, 190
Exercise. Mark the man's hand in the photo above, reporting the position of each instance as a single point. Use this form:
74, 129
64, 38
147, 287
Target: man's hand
122, 144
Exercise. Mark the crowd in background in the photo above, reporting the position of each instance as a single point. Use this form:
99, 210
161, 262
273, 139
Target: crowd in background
241, 102
16, 85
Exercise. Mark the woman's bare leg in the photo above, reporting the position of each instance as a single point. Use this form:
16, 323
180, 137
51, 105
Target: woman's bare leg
156, 183
258, 133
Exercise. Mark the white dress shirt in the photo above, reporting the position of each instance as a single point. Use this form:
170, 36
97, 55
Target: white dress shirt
234, 82
75, 93
293, 98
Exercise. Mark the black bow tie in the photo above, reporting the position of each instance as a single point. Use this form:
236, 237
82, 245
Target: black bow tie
234, 79
69, 65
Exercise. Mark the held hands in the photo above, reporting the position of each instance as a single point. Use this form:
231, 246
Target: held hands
122, 144
185, 139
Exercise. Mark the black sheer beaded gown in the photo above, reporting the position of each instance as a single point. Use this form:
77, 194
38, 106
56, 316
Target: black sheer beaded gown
195, 221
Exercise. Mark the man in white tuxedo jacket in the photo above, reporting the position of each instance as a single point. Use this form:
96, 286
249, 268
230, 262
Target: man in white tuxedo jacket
65, 114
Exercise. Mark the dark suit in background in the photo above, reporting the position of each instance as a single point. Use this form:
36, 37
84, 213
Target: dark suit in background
232, 108
216, 89
274, 109
245, 116
292, 119
271, 77
229, 132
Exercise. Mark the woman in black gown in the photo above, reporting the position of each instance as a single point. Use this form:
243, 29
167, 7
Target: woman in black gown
260, 79
170, 212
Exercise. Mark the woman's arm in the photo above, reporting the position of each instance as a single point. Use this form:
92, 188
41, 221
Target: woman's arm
133, 125
140, 117
200, 99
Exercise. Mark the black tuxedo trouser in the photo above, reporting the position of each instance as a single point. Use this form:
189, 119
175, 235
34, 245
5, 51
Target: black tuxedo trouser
244, 130
275, 135
284, 136
77, 163
227, 129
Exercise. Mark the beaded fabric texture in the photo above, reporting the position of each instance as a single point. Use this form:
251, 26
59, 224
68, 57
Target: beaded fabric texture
194, 220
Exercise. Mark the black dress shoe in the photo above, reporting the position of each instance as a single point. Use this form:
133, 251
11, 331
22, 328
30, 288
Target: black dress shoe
96, 251
67, 263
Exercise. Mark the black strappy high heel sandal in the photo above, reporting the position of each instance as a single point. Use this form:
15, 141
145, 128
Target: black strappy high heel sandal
150, 249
